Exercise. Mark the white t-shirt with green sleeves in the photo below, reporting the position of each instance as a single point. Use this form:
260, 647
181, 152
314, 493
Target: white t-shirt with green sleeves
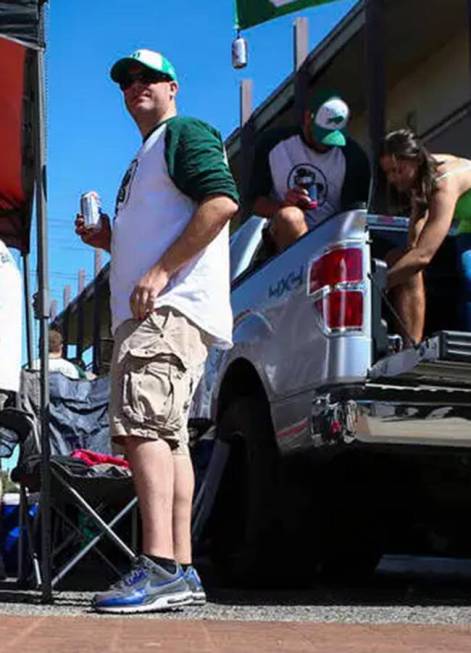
179, 164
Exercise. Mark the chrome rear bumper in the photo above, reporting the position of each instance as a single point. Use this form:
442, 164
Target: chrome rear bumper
386, 414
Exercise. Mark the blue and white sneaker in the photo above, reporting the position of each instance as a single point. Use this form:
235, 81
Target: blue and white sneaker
193, 580
145, 588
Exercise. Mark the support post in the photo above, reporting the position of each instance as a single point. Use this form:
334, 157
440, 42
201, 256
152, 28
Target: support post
80, 313
247, 138
246, 101
53, 310
375, 53
43, 276
66, 297
301, 80
300, 41
96, 352
28, 311
81, 280
98, 254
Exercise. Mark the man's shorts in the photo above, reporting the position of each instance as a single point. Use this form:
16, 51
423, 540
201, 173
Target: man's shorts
156, 366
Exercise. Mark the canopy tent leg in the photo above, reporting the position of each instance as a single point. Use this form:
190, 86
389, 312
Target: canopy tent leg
44, 307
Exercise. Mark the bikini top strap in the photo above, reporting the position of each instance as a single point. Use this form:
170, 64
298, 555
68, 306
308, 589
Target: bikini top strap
465, 166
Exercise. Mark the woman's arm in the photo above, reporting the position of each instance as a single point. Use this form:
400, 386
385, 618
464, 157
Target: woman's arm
419, 254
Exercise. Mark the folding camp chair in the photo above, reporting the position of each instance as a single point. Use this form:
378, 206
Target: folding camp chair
102, 495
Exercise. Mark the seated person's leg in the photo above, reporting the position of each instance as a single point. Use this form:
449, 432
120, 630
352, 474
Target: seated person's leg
287, 225
408, 300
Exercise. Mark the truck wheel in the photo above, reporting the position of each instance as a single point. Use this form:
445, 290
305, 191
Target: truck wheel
244, 524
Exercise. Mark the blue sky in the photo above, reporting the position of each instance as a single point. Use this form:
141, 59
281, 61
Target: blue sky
90, 136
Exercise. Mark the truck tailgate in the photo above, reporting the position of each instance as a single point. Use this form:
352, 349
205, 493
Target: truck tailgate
444, 359
420, 396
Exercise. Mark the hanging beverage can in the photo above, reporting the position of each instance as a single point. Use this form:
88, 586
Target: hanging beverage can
239, 52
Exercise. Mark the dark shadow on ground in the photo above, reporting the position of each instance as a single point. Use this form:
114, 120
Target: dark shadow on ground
398, 581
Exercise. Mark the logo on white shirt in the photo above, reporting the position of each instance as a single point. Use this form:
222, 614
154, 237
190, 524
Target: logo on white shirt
125, 186
305, 175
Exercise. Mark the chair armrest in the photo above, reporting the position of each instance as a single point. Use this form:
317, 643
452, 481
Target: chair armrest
18, 421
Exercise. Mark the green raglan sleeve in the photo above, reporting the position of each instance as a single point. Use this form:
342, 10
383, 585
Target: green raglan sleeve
196, 160
356, 187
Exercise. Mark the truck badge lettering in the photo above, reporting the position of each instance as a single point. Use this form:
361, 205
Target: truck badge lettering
287, 284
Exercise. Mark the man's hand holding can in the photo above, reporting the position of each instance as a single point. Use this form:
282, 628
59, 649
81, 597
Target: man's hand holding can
100, 237
299, 197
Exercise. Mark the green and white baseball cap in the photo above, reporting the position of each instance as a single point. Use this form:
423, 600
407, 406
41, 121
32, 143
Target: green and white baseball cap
330, 116
149, 59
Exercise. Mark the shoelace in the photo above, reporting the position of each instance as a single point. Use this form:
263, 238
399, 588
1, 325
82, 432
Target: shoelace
134, 574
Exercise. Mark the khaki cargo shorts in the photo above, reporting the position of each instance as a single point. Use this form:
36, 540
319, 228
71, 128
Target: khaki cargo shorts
156, 366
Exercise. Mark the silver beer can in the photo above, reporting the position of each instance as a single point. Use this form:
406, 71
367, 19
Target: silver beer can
239, 52
90, 208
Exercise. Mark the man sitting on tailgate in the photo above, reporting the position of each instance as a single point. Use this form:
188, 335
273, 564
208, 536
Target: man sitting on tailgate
306, 173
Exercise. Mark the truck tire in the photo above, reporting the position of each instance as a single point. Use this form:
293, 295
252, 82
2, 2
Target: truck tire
244, 524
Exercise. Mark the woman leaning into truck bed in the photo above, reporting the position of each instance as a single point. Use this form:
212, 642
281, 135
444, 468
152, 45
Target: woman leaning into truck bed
439, 189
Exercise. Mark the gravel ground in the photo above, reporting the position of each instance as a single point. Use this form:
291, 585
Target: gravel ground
405, 590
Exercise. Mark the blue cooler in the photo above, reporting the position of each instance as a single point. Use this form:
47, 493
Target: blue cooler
10, 530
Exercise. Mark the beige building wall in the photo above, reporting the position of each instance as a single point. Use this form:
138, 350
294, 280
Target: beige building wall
439, 85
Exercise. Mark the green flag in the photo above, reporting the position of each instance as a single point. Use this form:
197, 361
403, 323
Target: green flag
253, 12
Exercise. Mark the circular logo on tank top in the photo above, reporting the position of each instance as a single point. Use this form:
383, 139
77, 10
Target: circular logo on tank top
305, 175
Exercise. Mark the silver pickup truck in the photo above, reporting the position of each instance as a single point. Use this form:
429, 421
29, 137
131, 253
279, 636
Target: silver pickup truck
330, 443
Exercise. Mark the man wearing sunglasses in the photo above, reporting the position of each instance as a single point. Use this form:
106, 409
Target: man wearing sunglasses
169, 280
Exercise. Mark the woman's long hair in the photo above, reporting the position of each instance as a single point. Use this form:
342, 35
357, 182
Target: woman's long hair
404, 144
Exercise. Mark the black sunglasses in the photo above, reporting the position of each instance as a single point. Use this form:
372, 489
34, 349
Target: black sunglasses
143, 76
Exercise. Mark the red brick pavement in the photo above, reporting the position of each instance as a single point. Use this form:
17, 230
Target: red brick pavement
138, 635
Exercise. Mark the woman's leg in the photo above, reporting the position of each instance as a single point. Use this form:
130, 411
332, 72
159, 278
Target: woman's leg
408, 300
463, 246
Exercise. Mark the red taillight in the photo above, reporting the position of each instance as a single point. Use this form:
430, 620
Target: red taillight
341, 309
338, 266
336, 281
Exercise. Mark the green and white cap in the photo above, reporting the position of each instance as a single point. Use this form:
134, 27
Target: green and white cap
149, 59
330, 116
